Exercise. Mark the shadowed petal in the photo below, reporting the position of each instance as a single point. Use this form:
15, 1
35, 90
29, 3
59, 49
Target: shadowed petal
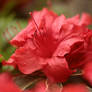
57, 69
87, 72
75, 88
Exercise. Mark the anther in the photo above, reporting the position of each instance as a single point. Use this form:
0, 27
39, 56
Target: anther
35, 22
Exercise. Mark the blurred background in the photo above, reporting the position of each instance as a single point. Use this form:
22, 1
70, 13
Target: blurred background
14, 15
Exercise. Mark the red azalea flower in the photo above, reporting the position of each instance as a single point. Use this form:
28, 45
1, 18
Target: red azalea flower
7, 84
44, 43
75, 88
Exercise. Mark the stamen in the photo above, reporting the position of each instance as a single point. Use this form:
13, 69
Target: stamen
35, 41
36, 38
35, 22
45, 30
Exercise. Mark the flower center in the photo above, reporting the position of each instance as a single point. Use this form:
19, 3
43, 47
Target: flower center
44, 41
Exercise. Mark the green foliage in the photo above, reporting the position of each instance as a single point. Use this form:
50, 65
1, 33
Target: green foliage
13, 27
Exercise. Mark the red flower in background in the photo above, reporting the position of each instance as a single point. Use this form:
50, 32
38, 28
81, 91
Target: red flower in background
47, 42
75, 88
7, 84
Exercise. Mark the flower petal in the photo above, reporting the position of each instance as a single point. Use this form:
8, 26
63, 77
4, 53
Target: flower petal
26, 59
74, 20
20, 39
76, 56
86, 19
65, 46
87, 72
79, 54
75, 88
57, 25
40, 17
57, 69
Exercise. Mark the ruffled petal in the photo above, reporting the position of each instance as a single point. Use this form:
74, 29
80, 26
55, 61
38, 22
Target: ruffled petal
57, 69
20, 39
44, 15
74, 20
76, 56
57, 25
65, 46
41, 17
79, 55
86, 19
27, 60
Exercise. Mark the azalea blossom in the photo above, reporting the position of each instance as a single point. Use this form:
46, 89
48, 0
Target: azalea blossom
49, 43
